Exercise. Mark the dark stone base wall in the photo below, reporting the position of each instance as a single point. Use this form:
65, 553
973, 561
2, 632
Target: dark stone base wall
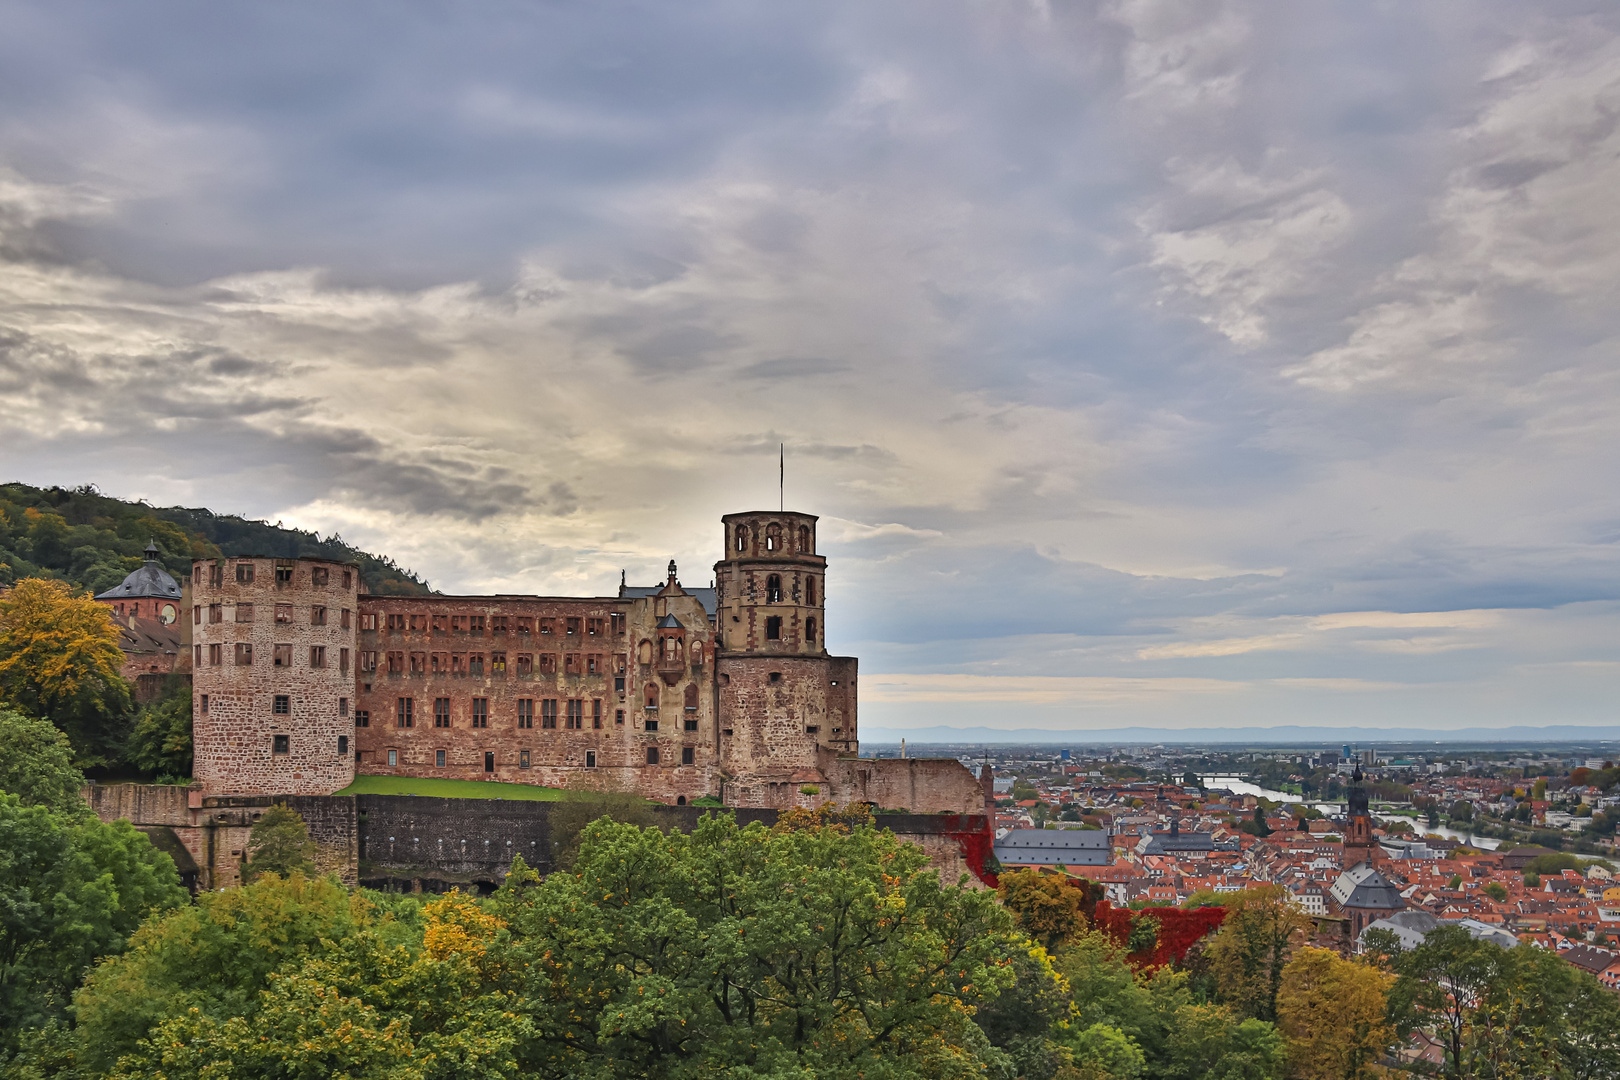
413, 843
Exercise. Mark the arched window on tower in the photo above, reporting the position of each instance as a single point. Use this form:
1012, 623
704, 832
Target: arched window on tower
810, 590
691, 697
672, 649
804, 540
773, 538
810, 631
773, 589
742, 538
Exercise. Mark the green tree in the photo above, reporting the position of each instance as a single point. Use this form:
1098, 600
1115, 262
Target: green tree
215, 956
582, 803
827, 950
1051, 908
366, 1006
1209, 1042
1496, 891
160, 742
72, 889
37, 764
1249, 951
1335, 1017
60, 661
279, 843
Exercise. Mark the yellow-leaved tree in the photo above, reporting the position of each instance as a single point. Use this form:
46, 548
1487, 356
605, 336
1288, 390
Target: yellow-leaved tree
1333, 1012
60, 661
1248, 953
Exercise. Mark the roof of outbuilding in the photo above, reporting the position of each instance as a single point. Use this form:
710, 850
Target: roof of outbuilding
151, 580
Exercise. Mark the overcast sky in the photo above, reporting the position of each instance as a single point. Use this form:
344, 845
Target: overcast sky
1148, 363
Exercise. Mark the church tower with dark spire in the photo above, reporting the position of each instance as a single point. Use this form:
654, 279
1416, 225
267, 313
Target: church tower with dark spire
1359, 845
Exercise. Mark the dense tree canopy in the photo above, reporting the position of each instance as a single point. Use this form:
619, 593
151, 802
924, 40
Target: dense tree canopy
93, 541
60, 661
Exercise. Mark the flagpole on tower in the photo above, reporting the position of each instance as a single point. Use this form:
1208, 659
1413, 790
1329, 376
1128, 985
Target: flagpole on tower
781, 479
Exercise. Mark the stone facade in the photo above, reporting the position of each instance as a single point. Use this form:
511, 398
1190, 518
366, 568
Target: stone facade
273, 682
669, 692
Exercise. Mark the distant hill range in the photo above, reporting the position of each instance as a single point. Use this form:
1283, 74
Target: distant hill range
92, 540
1291, 735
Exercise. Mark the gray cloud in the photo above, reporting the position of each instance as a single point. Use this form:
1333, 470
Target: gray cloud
1110, 340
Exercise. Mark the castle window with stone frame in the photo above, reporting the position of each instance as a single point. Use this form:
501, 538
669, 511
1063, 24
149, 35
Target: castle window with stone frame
362, 718
691, 697
805, 547
688, 755
438, 758
441, 624
476, 625
652, 755
523, 759
283, 613
547, 625
244, 573
773, 628
216, 613
419, 663
773, 538
282, 705
497, 663
396, 622
595, 627
596, 713
480, 712
773, 589
396, 663
525, 664
317, 656
576, 714
196, 656
244, 613
318, 576
497, 625
368, 620
405, 712
651, 696
418, 622
573, 626
525, 712
441, 712
216, 655
810, 590
742, 538
525, 624
810, 630
216, 575
572, 664
279, 745
475, 664
590, 759
284, 571
317, 615
548, 663
281, 656
548, 713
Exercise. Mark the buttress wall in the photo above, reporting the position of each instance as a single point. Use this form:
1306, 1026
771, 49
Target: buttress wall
272, 684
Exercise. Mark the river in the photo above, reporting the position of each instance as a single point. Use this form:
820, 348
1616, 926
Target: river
1239, 786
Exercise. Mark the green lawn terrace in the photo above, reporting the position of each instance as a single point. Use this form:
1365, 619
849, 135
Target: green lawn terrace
451, 789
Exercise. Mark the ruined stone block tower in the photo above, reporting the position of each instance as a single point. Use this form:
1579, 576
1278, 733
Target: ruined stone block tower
272, 686
786, 708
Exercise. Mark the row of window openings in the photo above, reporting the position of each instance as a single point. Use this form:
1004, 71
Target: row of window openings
573, 716
772, 539
319, 576
444, 663
773, 590
495, 625
654, 757
280, 656
773, 628
243, 613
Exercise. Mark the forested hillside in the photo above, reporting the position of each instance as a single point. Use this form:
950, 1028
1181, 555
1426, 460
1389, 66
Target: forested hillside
93, 540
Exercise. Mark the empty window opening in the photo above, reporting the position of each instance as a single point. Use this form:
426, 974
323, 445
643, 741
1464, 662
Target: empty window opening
244, 613
216, 574
652, 755
680, 800
773, 628
244, 573
691, 697
216, 655
773, 538
216, 613
284, 573
773, 589
318, 575
810, 590
651, 697
497, 625
368, 620
317, 656
244, 654
810, 630
279, 744
497, 664
489, 761
525, 664
812, 730
805, 546
776, 676
317, 616
617, 622
348, 579
688, 755
742, 538
590, 759
343, 745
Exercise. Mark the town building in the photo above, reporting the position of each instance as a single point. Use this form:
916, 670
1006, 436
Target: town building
147, 606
